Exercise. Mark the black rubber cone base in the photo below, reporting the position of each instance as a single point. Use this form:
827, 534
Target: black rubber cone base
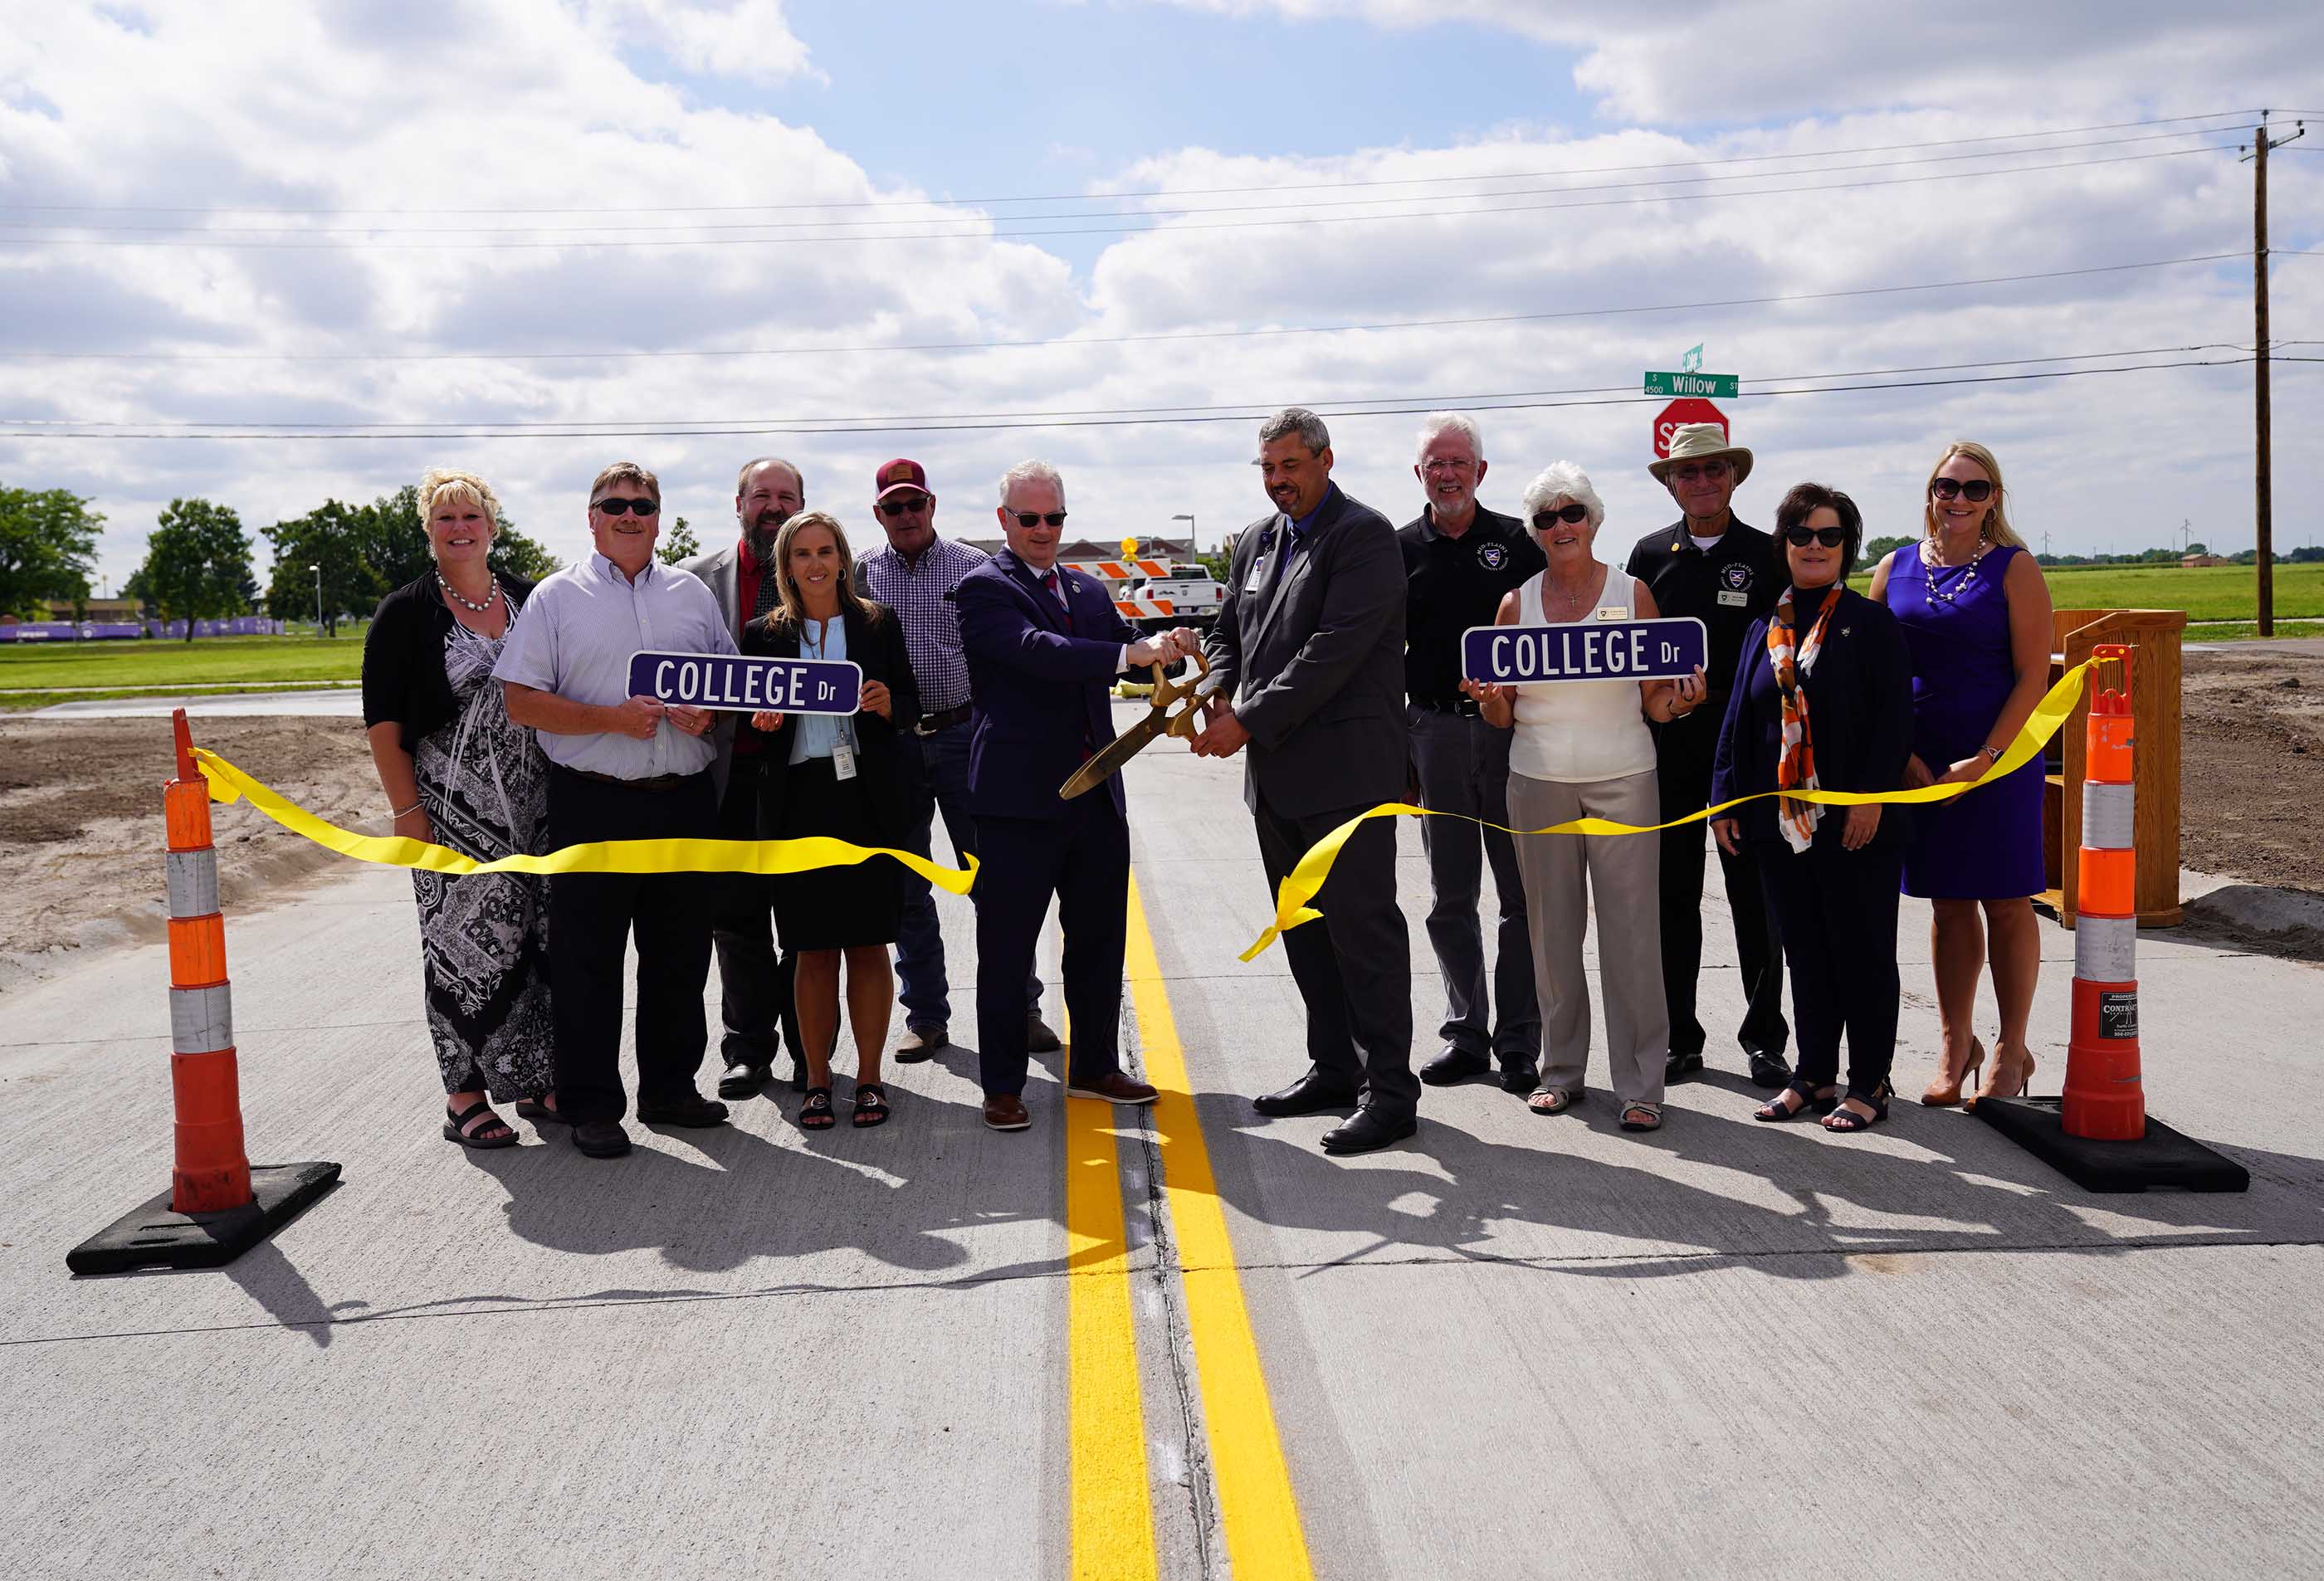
2162, 1157
154, 1235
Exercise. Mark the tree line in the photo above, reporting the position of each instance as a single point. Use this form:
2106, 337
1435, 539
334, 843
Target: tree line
197, 564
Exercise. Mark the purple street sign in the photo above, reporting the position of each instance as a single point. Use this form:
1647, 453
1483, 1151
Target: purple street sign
1585, 650
740, 682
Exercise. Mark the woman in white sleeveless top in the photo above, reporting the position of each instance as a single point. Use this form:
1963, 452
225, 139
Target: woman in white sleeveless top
1582, 749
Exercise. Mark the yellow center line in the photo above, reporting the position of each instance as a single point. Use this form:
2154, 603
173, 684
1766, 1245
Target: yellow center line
1112, 1517
1257, 1507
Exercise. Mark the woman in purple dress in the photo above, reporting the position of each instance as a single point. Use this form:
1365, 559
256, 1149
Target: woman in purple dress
1976, 615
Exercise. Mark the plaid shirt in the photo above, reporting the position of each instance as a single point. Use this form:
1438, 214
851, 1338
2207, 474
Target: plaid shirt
921, 594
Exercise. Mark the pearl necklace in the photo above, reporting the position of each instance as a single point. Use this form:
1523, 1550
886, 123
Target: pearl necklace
1968, 569
486, 607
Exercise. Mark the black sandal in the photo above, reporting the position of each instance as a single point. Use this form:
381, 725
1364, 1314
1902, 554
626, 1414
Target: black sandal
456, 1128
1819, 1099
1847, 1121
532, 1109
814, 1113
871, 1104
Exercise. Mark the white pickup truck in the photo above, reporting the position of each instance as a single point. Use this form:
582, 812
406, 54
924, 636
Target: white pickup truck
1193, 595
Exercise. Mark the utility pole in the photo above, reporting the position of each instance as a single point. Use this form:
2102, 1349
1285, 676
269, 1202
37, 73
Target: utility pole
2263, 468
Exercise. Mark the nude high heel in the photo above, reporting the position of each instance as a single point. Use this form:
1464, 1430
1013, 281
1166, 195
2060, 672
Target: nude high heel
1941, 1093
2006, 1080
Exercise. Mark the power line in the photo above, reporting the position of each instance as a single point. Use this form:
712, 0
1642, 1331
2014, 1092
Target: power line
1169, 191
696, 225
1342, 405
1250, 414
1186, 335
981, 234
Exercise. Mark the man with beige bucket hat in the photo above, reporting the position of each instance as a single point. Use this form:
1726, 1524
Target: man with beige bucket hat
1725, 575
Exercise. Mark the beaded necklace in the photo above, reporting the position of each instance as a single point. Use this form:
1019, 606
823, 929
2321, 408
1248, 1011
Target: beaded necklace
453, 593
1968, 569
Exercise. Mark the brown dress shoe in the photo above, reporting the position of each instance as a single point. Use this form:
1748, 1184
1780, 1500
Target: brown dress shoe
1005, 1111
1113, 1086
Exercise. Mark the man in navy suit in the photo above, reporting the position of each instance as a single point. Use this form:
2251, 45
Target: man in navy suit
1043, 643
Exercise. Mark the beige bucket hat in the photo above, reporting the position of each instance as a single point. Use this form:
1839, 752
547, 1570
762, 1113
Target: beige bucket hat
1698, 442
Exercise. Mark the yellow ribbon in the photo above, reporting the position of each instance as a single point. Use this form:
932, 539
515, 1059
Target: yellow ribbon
1301, 884
229, 784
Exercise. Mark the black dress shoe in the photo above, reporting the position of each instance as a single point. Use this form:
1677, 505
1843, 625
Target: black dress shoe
1311, 1094
920, 1043
1368, 1131
601, 1138
1681, 1065
743, 1080
1520, 1077
1040, 1039
693, 1111
1768, 1070
1454, 1064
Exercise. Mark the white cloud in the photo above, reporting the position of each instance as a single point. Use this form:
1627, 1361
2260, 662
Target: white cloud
533, 105
747, 39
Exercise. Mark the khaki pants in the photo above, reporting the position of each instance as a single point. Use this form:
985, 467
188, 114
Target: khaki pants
1624, 874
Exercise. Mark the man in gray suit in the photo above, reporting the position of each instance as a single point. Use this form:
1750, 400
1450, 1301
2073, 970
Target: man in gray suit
755, 999
1308, 651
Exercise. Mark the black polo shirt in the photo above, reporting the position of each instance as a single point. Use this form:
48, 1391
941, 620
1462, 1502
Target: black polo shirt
1452, 585
1726, 586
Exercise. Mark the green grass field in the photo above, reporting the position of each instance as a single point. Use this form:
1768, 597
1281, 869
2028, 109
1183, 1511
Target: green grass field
2208, 593
51, 668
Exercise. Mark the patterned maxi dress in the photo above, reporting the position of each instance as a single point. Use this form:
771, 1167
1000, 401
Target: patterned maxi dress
484, 938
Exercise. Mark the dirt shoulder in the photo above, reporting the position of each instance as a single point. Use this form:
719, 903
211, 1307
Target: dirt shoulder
80, 822
2252, 763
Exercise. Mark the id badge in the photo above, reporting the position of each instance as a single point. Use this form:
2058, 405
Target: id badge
843, 760
1735, 600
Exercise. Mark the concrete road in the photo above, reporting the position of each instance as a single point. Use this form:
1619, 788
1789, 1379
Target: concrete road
1191, 1347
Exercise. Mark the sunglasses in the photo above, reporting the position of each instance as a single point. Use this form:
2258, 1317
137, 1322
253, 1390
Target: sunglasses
628, 507
1026, 519
905, 506
1571, 515
1977, 491
1696, 471
1831, 537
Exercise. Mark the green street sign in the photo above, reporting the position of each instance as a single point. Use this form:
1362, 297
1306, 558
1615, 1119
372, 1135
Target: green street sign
1717, 386
1693, 362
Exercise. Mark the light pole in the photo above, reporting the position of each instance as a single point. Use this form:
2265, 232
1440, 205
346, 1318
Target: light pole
1193, 547
318, 570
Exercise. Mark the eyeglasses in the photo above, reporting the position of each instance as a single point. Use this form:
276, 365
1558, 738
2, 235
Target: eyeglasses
628, 507
1571, 515
1026, 519
1831, 537
905, 506
1698, 472
1976, 491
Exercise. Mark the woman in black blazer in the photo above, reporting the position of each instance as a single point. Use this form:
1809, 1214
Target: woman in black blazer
837, 777
457, 773
1823, 700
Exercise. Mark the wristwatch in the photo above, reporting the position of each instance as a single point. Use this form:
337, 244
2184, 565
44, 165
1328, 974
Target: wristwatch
1992, 754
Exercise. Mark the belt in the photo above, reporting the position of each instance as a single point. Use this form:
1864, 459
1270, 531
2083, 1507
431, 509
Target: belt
660, 782
943, 718
1465, 707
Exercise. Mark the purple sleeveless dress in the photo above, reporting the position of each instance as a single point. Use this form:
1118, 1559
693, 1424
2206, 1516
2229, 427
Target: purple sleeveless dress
1986, 845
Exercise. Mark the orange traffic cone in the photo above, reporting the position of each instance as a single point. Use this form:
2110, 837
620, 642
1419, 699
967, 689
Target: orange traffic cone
2099, 1132
217, 1207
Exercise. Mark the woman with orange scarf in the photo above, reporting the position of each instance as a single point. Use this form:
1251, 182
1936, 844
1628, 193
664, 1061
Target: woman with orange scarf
1823, 701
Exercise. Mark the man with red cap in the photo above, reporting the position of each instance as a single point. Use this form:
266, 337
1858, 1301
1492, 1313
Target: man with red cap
915, 575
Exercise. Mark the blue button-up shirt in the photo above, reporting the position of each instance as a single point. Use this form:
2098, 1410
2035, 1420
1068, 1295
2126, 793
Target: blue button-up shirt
580, 627
919, 592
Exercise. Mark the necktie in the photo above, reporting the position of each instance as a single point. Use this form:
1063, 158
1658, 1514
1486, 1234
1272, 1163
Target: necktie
770, 590
1057, 591
1283, 556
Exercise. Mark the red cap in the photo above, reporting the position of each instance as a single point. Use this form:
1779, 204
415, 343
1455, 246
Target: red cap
901, 474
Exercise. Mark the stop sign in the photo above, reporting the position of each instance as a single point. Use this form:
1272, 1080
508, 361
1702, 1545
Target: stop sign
1680, 412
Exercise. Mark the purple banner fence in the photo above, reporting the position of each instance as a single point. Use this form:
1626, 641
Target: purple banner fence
98, 631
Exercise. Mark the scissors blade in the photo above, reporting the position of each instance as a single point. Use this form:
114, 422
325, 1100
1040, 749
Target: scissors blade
1115, 753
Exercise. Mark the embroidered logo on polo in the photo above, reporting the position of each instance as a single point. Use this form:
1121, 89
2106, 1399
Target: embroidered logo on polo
1735, 574
1492, 556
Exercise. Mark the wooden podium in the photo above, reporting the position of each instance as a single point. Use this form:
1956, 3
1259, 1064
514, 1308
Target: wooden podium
2154, 636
